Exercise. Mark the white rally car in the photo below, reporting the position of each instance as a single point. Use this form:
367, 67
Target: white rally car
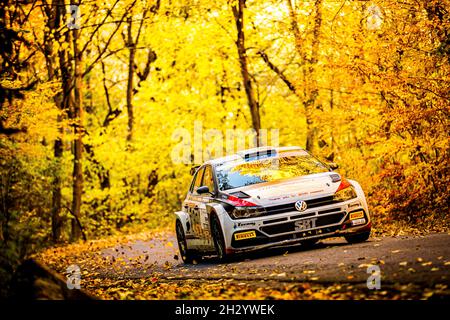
267, 197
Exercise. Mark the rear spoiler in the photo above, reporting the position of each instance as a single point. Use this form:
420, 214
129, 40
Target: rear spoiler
194, 169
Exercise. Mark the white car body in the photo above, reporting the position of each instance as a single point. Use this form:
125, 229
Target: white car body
282, 223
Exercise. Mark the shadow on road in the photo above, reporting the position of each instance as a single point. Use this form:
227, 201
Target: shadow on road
270, 252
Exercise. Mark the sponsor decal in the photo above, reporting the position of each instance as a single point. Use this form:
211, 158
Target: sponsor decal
245, 235
244, 224
356, 215
294, 195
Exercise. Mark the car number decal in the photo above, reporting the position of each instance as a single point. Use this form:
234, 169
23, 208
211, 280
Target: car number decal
305, 224
357, 222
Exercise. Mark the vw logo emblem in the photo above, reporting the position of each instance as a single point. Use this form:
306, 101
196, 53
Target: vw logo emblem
301, 205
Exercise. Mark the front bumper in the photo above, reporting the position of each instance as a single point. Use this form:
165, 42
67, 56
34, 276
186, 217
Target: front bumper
293, 227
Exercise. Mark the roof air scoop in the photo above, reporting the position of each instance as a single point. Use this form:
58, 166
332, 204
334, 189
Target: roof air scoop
240, 194
335, 177
258, 153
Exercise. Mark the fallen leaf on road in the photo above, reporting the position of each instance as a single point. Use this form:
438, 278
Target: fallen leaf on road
395, 251
318, 295
403, 263
434, 269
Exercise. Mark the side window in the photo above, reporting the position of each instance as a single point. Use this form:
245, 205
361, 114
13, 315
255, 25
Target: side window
198, 179
208, 179
191, 188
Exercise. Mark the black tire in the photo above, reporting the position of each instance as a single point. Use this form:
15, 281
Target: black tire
356, 238
188, 256
219, 241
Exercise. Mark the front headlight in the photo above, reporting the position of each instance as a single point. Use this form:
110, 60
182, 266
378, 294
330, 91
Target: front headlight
345, 194
247, 212
241, 208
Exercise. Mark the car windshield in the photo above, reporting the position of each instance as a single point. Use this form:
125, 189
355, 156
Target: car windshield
242, 173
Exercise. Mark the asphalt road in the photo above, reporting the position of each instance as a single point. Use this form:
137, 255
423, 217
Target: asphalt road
422, 260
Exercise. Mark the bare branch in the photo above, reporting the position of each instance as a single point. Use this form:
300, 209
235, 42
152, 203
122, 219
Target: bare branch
280, 73
108, 14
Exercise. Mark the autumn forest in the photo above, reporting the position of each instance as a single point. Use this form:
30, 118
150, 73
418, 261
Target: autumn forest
94, 94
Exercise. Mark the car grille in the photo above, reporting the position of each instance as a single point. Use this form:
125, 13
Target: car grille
288, 207
290, 226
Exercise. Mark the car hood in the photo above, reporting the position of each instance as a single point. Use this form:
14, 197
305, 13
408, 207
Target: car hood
290, 190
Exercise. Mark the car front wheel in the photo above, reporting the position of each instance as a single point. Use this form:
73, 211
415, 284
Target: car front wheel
219, 242
188, 256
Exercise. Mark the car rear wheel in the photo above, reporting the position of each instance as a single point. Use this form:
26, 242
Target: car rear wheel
356, 238
219, 241
188, 256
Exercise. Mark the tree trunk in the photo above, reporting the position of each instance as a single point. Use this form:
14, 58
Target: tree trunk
57, 222
55, 14
312, 90
310, 87
238, 12
310, 129
130, 86
77, 114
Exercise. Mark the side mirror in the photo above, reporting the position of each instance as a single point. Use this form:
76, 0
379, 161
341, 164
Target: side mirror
203, 190
333, 166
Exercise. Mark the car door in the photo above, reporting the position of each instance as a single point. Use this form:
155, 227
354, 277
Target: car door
189, 205
194, 202
206, 198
